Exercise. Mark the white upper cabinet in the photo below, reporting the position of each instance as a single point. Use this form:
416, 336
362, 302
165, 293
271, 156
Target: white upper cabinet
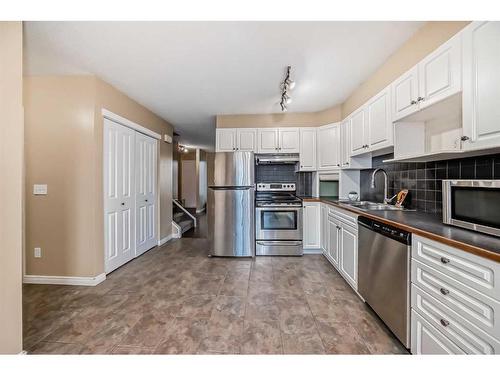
307, 149
437, 77
225, 140
405, 94
481, 85
289, 140
359, 132
379, 120
440, 73
278, 140
246, 139
345, 144
329, 147
229, 140
268, 141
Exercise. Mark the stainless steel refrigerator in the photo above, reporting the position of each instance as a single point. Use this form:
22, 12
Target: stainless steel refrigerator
231, 205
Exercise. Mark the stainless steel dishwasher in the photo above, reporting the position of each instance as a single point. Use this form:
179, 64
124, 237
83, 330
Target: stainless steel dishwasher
384, 274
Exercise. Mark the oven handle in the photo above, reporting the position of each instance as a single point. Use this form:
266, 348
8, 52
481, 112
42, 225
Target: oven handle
280, 243
283, 208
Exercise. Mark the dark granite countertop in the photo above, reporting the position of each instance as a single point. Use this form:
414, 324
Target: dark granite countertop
429, 226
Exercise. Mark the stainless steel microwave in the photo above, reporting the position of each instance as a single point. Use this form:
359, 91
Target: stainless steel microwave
472, 204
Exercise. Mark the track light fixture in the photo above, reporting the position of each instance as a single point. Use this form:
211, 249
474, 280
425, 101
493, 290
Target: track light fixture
182, 148
286, 86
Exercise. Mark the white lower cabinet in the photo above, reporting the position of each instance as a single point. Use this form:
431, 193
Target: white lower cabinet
455, 300
349, 255
339, 241
312, 225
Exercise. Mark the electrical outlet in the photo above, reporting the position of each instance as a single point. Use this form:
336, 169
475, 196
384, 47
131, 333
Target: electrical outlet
38, 252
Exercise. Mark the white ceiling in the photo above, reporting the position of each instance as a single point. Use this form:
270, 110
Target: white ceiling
188, 72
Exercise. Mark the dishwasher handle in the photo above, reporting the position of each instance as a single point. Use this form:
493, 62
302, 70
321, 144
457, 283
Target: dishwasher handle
386, 230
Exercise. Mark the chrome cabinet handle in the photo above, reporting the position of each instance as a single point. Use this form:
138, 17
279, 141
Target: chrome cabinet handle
445, 260
444, 322
444, 291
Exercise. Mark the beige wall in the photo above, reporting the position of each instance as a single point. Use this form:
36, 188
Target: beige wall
64, 142
423, 42
11, 186
280, 119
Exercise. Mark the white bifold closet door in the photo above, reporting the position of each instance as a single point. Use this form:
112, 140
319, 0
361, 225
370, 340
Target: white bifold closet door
119, 195
129, 194
145, 184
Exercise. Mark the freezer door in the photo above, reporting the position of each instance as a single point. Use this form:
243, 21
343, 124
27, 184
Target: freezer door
231, 227
234, 169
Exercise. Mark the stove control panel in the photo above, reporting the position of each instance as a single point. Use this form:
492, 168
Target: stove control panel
287, 186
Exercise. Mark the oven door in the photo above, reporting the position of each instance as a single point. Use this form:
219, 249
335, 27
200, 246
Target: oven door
472, 204
278, 223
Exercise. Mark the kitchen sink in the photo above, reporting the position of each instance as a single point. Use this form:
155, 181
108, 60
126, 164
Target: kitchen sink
374, 206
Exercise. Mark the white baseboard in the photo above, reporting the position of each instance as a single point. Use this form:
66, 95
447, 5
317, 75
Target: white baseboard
64, 280
313, 251
164, 240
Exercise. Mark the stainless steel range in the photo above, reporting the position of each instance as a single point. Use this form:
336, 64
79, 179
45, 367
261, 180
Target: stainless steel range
278, 220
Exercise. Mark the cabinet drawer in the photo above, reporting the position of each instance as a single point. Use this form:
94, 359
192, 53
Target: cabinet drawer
464, 334
476, 272
473, 306
425, 339
345, 217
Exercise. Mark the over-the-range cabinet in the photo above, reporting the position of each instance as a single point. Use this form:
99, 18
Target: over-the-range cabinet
130, 194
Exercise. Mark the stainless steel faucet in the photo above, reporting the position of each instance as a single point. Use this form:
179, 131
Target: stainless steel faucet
387, 200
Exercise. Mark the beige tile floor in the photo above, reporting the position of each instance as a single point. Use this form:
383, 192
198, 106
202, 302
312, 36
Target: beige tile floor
175, 300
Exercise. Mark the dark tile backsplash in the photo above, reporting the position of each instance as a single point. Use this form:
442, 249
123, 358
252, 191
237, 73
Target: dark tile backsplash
423, 180
285, 173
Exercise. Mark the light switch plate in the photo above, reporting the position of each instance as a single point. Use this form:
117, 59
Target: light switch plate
40, 189
38, 252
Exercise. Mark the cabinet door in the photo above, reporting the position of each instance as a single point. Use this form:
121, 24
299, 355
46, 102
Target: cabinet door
225, 140
289, 140
329, 147
333, 241
405, 94
380, 128
440, 73
308, 149
312, 229
345, 144
481, 85
348, 259
359, 132
324, 228
267, 142
247, 140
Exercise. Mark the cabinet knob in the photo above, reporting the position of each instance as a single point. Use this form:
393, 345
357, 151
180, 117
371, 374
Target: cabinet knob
464, 138
413, 102
145, 200
445, 260
444, 291
420, 99
444, 322
123, 203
